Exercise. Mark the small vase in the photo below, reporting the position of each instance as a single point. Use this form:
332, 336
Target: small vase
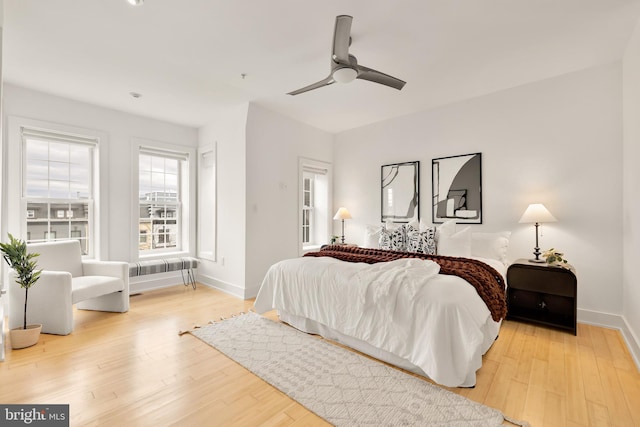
23, 338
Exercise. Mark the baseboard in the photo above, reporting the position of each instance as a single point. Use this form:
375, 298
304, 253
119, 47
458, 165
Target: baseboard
226, 287
164, 280
251, 292
632, 342
613, 321
154, 281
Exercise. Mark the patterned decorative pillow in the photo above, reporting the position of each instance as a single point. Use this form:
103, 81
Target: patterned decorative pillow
422, 242
412, 227
393, 239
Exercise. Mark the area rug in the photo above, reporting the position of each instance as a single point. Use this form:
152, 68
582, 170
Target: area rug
341, 386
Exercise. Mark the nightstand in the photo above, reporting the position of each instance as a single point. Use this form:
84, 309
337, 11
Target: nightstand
542, 293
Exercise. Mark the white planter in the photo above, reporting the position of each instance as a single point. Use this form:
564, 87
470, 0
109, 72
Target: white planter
23, 338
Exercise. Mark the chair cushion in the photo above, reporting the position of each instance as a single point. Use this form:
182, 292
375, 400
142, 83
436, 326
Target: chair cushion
64, 255
87, 287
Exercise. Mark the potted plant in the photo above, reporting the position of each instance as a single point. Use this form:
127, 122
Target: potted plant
24, 265
554, 257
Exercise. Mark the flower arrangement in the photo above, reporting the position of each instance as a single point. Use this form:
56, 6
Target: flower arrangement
554, 257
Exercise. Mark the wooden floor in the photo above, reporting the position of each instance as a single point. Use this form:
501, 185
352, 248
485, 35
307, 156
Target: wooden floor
134, 369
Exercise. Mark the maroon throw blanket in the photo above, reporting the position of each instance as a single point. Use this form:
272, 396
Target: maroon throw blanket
485, 279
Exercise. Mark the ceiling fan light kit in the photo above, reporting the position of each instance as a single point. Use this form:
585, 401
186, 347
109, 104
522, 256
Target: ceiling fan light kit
345, 75
344, 67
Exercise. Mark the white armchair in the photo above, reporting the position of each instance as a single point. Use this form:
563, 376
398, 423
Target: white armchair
66, 280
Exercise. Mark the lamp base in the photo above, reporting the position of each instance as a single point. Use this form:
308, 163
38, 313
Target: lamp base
536, 250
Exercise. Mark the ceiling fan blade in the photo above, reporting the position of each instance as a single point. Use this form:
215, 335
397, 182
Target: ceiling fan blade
343, 65
342, 38
322, 83
365, 73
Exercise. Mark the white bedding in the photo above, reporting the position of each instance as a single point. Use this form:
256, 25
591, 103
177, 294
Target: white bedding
401, 311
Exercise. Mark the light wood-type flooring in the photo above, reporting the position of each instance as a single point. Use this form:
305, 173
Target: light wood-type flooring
134, 369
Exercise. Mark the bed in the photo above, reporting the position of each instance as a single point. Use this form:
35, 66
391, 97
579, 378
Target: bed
408, 310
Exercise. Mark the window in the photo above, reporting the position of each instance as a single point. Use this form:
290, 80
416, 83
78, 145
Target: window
314, 203
161, 179
57, 186
307, 207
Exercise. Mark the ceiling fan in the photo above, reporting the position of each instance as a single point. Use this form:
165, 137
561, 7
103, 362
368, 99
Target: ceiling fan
344, 67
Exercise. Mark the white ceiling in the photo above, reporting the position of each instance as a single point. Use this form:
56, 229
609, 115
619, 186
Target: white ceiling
186, 57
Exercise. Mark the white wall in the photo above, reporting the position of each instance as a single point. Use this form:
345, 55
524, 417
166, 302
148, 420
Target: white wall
631, 187
227, 132
557, 141
119, 129
257, 193
274, 145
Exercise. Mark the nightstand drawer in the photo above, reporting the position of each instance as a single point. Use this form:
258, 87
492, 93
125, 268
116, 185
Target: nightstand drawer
528, 300
549, 280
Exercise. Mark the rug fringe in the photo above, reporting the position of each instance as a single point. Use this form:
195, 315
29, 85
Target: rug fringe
210, 322
516, 422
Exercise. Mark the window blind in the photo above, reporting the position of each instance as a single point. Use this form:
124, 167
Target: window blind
58, 136
315, 170
169, 154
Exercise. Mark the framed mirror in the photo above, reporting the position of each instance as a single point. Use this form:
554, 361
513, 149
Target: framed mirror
400, 192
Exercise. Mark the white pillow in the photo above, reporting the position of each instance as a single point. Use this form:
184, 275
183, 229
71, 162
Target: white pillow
426, 226
371, 236
491, 245
391, 226
447, 228
457, 244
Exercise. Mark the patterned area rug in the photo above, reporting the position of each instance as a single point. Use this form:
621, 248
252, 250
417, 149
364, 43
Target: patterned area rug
341, 386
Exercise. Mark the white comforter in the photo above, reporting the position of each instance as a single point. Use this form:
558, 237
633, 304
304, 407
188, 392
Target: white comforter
436, 322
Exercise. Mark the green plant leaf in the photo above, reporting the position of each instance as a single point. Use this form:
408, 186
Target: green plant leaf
23, 263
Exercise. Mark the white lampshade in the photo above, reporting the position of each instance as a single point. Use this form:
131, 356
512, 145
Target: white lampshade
345, 75
536, 212
342, 213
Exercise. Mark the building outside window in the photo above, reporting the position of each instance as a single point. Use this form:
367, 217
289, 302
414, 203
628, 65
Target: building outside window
160, 180
57, 186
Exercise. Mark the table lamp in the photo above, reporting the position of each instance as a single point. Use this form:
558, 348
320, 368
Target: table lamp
537, 213
342, 214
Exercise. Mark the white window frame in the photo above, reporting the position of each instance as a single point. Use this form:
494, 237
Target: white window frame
48, 220
207, 201
15, 214
309, 209
187, 184
320, 222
